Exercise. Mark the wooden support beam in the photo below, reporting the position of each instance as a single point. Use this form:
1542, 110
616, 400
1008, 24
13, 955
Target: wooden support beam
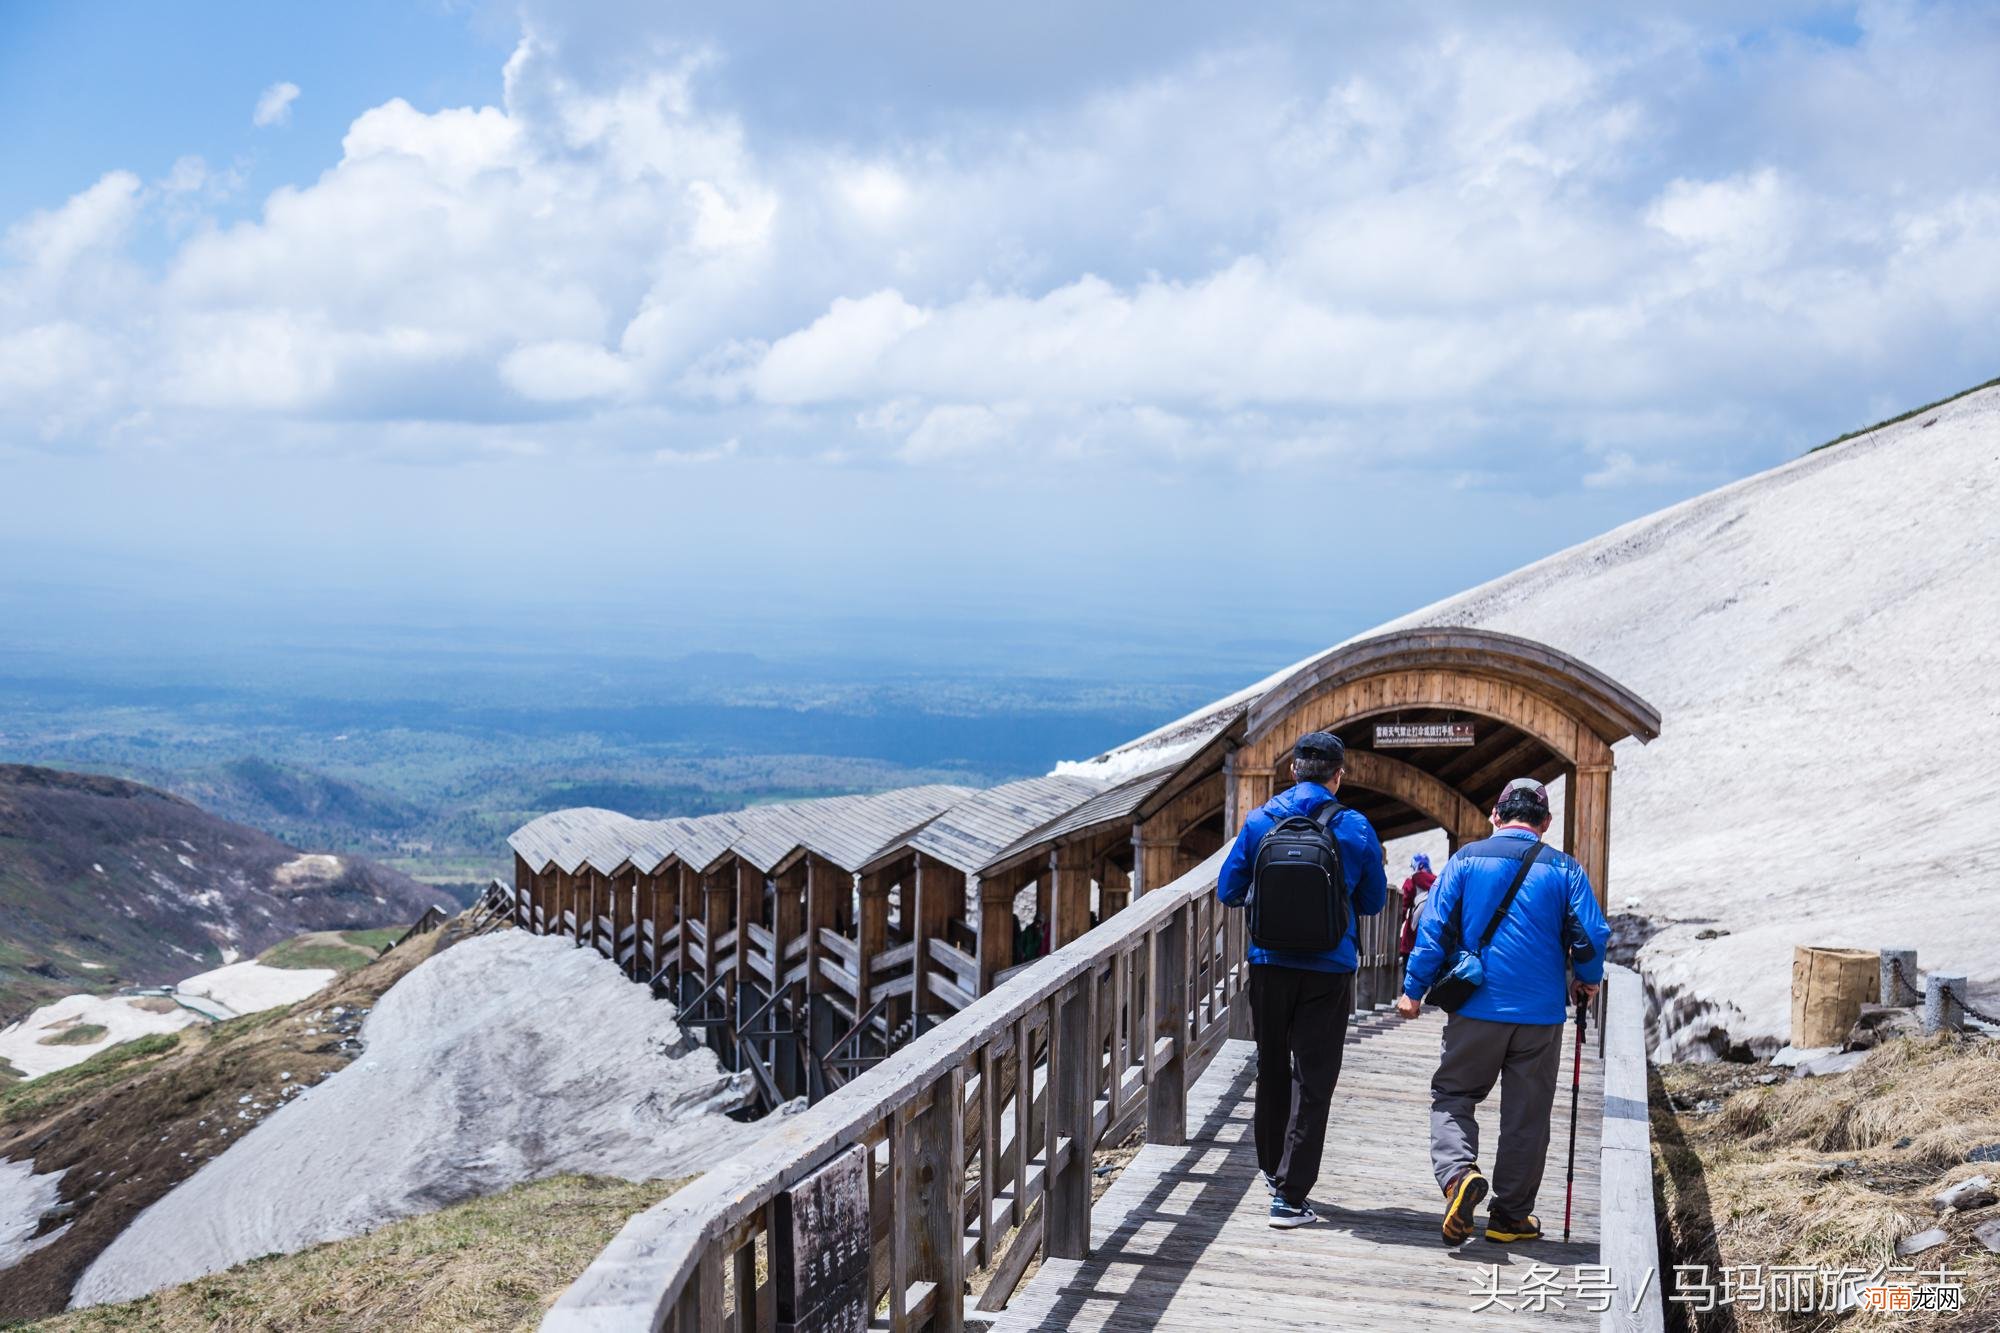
930, 1209
1165, 1053
1114, 887
997, 924
1069, 871
1073, 1059
939, 899
873, 935
1590, 795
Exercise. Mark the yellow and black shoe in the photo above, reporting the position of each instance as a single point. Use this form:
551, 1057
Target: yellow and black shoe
1507, 1229
1460, 1202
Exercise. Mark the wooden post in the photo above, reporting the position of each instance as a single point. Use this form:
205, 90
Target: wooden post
1253, 787
930, 1210
1072, 1113
1592, 798
1114, 888
1070, 872
940, 898
1166, 1079
1152, 863
873, 931
996, 925
624, 889
686, 908
699, 1306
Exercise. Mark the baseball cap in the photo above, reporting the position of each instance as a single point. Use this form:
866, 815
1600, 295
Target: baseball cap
1320, 745
1529, 785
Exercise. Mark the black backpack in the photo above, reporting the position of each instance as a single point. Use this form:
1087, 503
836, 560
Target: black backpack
1298, 891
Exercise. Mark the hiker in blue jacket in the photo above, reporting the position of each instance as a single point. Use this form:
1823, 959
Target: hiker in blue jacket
1299, 1001
1547, 950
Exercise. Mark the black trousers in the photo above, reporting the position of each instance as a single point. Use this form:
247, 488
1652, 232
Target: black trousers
1300, 1021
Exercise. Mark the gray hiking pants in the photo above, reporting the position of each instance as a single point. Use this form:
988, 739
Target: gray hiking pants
1525, 1058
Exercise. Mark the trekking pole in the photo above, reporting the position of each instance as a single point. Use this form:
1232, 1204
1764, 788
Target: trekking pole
1575, 1087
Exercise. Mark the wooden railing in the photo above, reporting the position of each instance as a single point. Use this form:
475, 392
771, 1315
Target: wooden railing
978, 1132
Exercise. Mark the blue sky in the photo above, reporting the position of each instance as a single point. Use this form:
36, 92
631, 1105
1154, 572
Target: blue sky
1128, 315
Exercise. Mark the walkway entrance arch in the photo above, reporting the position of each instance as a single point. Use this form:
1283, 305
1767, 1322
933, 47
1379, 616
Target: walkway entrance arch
1507, 707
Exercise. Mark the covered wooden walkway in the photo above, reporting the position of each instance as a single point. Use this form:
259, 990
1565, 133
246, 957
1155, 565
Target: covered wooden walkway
1180, 1240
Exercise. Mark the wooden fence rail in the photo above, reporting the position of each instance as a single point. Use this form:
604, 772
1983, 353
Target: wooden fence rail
971, 1146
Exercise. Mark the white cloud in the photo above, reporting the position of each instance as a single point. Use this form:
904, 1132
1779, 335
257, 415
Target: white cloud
95, 219
1442, 237
274, 105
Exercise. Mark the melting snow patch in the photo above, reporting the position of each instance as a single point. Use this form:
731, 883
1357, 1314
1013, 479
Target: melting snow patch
247, 987
21, 1045
476, 1079
24, 1197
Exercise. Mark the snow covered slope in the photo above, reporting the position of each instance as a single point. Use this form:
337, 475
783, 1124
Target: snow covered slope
507, 1058
1823, 642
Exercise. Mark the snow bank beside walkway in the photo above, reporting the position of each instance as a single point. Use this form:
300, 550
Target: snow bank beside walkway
508, 1058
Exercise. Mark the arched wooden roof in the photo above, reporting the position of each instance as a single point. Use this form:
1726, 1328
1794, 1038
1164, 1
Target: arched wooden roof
1601, 703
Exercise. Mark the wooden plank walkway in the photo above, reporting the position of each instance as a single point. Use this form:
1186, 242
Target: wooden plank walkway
1181, 1239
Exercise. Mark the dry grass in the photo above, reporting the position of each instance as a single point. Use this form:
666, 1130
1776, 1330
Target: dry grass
1810, 1172
492, 1263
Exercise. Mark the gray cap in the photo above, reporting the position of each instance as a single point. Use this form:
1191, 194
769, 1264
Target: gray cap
1529, 785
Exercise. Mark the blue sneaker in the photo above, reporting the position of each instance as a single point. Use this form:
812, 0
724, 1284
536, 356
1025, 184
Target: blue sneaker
1286, 1216
1271, 1184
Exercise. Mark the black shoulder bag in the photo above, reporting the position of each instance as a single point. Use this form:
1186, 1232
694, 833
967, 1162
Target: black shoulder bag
1468, 969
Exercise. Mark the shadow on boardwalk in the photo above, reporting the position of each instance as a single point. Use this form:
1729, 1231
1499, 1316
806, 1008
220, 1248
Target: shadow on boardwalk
1181, 1239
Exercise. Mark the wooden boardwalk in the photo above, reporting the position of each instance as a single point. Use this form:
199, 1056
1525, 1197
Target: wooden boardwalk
1181, 1241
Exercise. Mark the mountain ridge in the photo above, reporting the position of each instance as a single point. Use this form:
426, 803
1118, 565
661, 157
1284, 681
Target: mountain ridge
105, 881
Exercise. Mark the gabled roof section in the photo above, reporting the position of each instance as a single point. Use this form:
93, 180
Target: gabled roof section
847, 830
568, 839
1114, 806
966, 834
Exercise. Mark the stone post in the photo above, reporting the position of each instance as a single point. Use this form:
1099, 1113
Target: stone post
1943, 1001
1895, 992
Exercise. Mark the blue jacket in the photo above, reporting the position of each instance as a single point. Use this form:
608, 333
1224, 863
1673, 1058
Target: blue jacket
1528, 962
1360, 860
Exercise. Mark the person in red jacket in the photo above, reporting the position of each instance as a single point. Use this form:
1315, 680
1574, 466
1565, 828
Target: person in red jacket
1415, 889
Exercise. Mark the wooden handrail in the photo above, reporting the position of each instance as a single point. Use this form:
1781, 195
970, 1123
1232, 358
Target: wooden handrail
1039, 1031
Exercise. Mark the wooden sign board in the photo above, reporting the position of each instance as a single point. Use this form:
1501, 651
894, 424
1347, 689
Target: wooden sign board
1393, 735
820, 1249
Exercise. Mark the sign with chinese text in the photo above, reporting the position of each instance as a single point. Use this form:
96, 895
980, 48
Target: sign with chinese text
1394, 735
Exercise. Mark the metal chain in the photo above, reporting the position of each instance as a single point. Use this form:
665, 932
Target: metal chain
1896, 967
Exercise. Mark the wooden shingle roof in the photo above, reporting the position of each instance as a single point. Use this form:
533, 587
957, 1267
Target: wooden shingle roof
967, 834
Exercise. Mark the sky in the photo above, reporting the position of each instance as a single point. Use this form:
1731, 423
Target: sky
702, 321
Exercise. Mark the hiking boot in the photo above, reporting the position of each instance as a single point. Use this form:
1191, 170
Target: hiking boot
1287, 1215
1507, 1229
1460, 1200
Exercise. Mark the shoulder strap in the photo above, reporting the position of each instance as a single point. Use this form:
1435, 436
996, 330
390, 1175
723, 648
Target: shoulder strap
1327, 813
1530, 854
